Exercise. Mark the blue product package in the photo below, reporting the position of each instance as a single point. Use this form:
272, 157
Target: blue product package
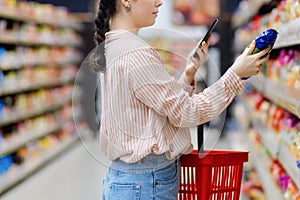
1, 139
266, 39
298, 166
2, 52
2, 105
1, 76
6, 163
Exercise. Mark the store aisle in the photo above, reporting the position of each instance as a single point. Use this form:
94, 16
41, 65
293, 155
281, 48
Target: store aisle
74, 176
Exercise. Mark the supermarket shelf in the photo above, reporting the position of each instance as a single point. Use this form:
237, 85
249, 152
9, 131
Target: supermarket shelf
15, 176
277, 149
53, 41
39, 111
12, 178
24, 42
282, 42
257, 159
285, 39
246, 10
261, 165
288, 40
16, 16
58, 63
19, 141
282, 95
289, 164
28, 88
269, 139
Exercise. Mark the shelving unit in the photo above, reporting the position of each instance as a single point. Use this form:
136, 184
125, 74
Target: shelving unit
284, 40
29, 88
277, 92
289, 163
16, 117
19, 141
274, 146
258, 157
246, 10
26, 13
9, 180
45, 128
287, 41
17, 41
271, 190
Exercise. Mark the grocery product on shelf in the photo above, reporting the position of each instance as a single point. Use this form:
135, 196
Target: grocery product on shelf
278, 130
284, 67
280, 121
272, 98
6, 163
252, 185
39, 58
35, 12
264, 40
284, 181
279, 18
298, 165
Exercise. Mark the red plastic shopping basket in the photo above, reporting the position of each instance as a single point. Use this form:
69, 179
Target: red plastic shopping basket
211, 175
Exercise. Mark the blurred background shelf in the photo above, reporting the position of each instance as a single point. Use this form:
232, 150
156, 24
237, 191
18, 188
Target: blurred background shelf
20, 173
278, 93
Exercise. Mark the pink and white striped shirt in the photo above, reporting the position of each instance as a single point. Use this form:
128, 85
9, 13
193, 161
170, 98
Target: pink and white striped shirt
146, 110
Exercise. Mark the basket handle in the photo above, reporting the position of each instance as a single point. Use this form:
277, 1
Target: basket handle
200, 135
200, 128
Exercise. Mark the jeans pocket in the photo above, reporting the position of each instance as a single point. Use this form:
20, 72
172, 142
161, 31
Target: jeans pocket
124, 191
167, 182
168, 175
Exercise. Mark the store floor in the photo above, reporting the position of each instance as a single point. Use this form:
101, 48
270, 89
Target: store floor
78, 173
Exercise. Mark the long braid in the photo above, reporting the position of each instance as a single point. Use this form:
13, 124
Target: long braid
107, 8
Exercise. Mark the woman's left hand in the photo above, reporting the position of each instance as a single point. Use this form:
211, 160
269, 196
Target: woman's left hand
193, 63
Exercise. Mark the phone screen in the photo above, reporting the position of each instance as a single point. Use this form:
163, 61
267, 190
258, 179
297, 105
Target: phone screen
208, 33
210, 30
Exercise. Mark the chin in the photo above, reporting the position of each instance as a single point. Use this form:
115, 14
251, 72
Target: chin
150, 24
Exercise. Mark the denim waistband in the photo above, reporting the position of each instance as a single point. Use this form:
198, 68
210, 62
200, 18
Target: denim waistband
151, 162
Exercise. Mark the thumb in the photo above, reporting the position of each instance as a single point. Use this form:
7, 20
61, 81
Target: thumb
250, 48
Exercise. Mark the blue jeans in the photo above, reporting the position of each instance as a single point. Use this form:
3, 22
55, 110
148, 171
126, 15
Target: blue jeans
152, 178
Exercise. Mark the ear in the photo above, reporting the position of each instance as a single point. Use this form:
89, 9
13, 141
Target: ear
125, 3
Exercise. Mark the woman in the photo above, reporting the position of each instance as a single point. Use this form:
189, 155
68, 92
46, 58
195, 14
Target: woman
146, 114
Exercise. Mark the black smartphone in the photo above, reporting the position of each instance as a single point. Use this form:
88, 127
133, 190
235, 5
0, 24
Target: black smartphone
208, 33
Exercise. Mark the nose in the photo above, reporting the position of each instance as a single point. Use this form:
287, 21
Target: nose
158, 3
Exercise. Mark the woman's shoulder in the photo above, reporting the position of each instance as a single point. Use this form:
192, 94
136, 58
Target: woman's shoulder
128, 45
126, 40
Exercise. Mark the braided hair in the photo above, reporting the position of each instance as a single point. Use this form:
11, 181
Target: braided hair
107, 8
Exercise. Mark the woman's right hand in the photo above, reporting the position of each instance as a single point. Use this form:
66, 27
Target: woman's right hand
248, 64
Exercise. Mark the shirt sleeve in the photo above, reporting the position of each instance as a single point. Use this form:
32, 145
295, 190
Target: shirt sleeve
153, 86
185, 85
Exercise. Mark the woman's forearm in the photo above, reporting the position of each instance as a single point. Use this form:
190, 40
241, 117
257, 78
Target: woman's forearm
189, 74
